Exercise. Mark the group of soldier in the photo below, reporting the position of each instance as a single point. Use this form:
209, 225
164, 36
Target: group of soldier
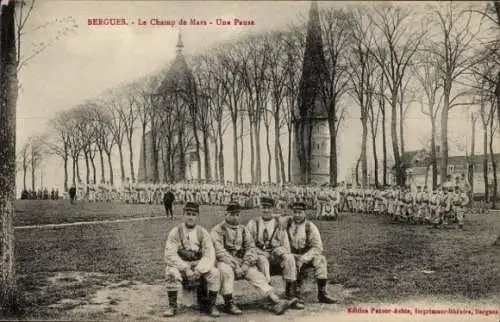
269, 244
419, 205
40, 194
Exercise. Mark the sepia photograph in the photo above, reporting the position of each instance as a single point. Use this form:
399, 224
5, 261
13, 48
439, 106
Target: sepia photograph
249, 160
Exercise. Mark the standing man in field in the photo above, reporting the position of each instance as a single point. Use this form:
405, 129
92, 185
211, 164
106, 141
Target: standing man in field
237, 259
72, 193
168, 201
189, 257
273, 248
307, 249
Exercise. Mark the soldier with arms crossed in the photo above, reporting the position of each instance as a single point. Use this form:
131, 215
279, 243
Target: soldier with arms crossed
237, 259
307, 248
273, 246
189, 256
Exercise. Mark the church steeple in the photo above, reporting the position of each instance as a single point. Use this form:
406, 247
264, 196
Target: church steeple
180, 45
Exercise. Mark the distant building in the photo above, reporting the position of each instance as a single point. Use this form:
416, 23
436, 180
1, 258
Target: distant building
419, 168
311, 156
173, 155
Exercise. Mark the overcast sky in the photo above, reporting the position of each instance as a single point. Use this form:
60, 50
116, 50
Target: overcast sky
88, 60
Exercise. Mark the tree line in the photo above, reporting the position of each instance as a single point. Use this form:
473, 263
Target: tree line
385, 58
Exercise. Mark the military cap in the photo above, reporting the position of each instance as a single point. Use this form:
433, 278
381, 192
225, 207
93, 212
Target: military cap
267, 202
192, 207
233, 207
299, 206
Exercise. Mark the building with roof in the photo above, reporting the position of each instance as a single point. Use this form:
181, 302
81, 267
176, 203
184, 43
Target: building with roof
419, 168
167, 154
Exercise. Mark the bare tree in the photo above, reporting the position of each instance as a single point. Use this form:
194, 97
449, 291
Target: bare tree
229, 76
128, 113
362, 79
427, 74
24, 161
454, 50
37, 155
113, 105
396, 43
58, 141
278, 77
336, 30
8, 103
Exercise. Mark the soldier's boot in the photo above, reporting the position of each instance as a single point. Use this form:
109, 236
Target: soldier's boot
172, 304
279, 306
229, 306
211, 308
323, 296
291, 293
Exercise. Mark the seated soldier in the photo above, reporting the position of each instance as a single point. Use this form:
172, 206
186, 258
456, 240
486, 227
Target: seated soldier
190, 256
273, 248
236, 256
307, 248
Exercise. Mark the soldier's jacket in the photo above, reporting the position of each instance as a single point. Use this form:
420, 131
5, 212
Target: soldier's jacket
195, 243
304, 239
277, 241
234, 244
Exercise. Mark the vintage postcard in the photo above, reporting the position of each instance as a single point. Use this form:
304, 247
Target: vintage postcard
249, 160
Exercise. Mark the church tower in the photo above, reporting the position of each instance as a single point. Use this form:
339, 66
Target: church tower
311, 142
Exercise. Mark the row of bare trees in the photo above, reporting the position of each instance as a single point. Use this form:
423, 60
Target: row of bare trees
383, 58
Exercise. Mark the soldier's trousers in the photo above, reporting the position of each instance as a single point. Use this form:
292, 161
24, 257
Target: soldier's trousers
285, 262
174, 278
460, 212
253, 276
319, 265
435, 214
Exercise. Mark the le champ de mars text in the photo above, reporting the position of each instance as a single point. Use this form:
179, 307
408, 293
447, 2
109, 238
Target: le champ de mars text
196, 22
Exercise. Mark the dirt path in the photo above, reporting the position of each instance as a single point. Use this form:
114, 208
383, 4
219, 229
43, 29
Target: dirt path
135, 301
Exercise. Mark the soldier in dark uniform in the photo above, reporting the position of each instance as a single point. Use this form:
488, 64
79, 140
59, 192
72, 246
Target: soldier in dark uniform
168, 201
72, 193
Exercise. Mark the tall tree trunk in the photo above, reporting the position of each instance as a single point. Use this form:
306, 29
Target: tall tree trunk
443, 167
206, 153
241, 152
258, 155
282, 162
290, 134
269, 156
278, 157
144, 155
156, 155
235, 150
94, 171
101, 156
87, 166
25, 172
75, 162
110, 164
131, 158
252, 153
78, 176
395, 145
384, 147
470, 174
122, 166
433, 154
493, 161
8, 103
333, 150
485, 163
375, 158
216, 163
364, 138
357, 172
221, 158
33, 169
65, 159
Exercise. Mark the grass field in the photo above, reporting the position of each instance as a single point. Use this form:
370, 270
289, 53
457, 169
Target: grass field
385, 262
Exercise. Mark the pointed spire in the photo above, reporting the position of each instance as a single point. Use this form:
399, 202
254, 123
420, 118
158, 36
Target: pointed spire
180, 45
